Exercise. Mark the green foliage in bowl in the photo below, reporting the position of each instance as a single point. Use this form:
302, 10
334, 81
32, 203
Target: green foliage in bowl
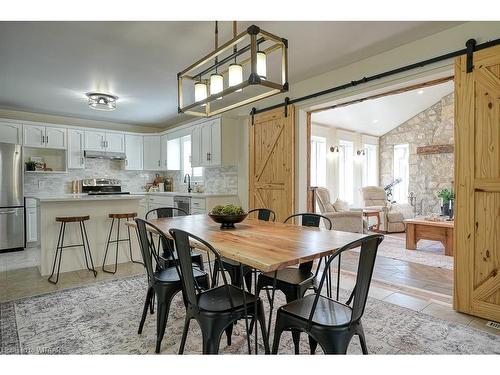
229, 209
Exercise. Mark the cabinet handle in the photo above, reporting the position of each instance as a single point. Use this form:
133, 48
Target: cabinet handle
159, 163
126, 162
46, 139
209, 156
81, 160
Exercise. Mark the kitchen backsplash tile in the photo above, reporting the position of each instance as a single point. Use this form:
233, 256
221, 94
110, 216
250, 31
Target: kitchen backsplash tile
217, 179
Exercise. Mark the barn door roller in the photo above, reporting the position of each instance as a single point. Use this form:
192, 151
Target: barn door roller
471, 46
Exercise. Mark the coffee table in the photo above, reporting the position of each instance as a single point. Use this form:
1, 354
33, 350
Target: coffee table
373, 213
421, 229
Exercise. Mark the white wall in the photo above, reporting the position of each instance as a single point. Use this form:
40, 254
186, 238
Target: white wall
434, 45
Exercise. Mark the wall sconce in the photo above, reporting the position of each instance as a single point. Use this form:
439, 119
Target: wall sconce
361, 152
334, 149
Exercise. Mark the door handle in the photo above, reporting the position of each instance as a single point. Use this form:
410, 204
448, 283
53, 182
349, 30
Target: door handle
7, 212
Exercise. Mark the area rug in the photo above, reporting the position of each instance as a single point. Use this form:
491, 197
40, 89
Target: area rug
103, 318
395, 248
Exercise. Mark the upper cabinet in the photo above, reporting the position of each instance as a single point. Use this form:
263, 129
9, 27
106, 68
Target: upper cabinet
76, 139
10, 133
44, 136
134, 152
173, 152
163, 152
152, 153
104, 141
215, 143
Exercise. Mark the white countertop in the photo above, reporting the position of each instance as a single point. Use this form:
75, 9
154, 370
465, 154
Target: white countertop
186, 194
82, 197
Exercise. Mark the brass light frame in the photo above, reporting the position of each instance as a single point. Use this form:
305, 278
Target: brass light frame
256, 36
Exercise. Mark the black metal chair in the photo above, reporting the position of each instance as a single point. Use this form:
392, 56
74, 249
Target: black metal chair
233, 268
171, 212
293, 282
328, 322
164, 282
216, 309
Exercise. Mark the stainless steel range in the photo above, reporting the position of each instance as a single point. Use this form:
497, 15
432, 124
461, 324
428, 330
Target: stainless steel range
102, 186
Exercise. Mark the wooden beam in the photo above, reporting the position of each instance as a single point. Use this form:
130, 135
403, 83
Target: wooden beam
435, 149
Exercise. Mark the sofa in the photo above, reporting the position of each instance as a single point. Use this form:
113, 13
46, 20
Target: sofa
392, 215
342, 218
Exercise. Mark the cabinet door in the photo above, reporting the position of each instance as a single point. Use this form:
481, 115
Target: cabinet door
196, 159
34, 136
206, 143
174, 154
134, 152
75, 149
94, 140
55, 137
31, 225
10, 133
115, 142
216, 143
152, 153
164, 152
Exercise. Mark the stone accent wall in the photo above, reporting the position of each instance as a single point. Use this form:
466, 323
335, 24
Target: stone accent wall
428, 173
217, 180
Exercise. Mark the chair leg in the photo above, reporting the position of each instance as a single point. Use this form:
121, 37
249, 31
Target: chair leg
88, 249
130, 246
229, 332
262, 322
362, 339
162, 309
149, 297
58, 251
184, 335
334, 344
107, 248
313, 344
278, 330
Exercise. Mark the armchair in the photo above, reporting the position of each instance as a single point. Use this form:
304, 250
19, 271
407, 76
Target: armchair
347, 221
392, 216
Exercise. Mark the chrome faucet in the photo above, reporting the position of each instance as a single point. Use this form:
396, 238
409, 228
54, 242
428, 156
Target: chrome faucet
187, 179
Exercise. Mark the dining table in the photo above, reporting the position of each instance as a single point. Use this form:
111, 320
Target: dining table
264, 246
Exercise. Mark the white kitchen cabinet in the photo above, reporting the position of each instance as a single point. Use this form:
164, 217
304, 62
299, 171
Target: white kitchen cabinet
10, 133
34, 136
31, 220
115, 142
95, 140
164, 152
44, 136
215, 142
76, 139
55, 137
152, 153
134, 152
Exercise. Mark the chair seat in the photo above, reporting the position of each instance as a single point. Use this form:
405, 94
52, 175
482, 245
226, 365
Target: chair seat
328, 312
292, 276
128, 215
72, 219
216, 299
170, 275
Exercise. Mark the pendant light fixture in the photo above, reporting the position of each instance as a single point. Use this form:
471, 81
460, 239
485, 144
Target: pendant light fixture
224, 65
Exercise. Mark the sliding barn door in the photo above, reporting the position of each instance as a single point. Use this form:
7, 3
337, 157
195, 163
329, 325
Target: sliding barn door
477, 183
272, 158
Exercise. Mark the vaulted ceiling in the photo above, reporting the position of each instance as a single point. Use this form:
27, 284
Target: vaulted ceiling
47, 67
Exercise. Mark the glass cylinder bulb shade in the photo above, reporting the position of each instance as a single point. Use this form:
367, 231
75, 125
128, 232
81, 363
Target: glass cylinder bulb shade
200, 91
262, 64
235, 75
216, 84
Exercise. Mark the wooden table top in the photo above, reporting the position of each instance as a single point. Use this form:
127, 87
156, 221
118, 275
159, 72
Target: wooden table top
266, 246
447, 224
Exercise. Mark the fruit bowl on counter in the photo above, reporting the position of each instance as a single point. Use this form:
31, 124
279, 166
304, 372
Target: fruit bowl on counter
227, 215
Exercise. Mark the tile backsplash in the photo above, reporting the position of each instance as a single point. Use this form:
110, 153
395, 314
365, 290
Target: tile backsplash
217, 179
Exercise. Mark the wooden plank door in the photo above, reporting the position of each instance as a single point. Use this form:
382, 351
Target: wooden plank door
477, 183
272, 162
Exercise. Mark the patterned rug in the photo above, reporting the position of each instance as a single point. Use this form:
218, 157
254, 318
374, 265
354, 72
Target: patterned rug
103, 319
394, 247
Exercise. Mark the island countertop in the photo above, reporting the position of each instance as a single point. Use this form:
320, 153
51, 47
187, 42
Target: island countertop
83, 197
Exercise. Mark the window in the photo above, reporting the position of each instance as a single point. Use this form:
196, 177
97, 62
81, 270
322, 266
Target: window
195, 173
318, 161
370, 177
346, 171
401, 170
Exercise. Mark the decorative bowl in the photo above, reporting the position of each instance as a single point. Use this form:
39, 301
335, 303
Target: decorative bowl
228, 221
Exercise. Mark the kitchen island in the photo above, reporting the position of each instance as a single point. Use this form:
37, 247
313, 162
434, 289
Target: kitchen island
98, 208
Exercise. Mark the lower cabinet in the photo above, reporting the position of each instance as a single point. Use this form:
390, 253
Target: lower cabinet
32, 221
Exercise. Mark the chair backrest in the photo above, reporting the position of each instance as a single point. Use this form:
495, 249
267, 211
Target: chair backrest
324, 202
189, 286
264, 214
147, 247
369, 246
165, 212
311, 220
374, 196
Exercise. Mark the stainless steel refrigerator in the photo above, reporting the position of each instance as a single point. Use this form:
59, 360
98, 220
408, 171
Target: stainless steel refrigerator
11, 197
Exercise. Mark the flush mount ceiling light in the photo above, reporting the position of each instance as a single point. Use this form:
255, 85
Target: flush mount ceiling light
102, 102
235, 74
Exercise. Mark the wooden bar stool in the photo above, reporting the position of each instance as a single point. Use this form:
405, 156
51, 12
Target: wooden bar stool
60, 244
119, 217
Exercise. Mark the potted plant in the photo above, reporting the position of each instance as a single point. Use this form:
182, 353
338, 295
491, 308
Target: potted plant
227, 215
447, 196
30, 165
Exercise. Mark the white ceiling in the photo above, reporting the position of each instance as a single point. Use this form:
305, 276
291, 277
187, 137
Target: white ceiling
379, 116
47, 67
